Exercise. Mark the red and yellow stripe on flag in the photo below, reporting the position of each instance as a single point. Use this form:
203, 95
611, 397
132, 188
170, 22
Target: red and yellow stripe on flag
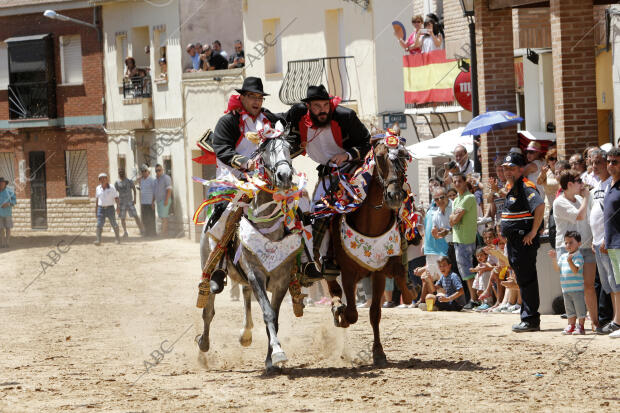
429, 77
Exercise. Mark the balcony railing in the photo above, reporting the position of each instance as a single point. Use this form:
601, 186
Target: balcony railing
137, 87
333, 72
32, 100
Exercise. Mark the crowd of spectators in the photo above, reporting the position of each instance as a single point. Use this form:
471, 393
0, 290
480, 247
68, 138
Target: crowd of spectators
212, 57
465, 256
427, 35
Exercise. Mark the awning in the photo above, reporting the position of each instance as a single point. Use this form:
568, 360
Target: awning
442, 145
27, 38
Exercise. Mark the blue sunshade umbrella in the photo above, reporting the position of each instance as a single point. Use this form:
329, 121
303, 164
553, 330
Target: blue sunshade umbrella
490, 121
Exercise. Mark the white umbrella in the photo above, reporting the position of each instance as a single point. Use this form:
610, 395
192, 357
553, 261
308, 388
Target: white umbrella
442, 145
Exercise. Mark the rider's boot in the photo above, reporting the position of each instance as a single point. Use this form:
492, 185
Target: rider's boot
329, 267
217, 281
311, 272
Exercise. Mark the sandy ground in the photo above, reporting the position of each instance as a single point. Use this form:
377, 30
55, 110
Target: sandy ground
81, 338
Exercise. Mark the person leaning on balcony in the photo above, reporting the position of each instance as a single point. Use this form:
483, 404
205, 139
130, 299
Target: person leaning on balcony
429, 38
132, 70
212, 60
408, 45
195, 56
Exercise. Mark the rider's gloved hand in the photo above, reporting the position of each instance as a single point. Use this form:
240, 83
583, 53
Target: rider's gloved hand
251, 164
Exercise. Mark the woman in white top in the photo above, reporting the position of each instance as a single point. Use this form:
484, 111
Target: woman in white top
570, 211
535, 163
429, 38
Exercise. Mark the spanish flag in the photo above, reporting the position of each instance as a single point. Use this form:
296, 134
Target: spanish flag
429, 77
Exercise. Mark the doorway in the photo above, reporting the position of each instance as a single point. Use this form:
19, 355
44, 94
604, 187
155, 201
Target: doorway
38, 192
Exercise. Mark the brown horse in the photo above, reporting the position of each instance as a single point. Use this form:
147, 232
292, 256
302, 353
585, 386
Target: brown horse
374, 217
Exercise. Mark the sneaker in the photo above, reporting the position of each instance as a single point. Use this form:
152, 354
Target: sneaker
569, 330
402, 306
579, 331
515, 309
610, 328
482, 307
389, 304
470, 305
499, 309
507, 309
525, 326
615, 334
363, 305
422, 306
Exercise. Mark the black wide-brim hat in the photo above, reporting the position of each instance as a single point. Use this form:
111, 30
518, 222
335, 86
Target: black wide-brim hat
253, 85
316, 93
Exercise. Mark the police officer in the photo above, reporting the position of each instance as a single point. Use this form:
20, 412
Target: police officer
521, 222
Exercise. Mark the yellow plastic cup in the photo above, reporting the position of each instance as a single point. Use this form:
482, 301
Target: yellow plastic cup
430, 303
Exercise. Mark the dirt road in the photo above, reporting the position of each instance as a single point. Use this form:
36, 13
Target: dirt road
112, 328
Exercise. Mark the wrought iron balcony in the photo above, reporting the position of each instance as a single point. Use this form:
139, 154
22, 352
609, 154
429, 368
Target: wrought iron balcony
137, 87
333, 72
32, 100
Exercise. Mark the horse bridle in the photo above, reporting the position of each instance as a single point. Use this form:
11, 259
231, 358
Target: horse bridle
400, 167
261, 149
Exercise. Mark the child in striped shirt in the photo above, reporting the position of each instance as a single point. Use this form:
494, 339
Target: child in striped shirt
570, 264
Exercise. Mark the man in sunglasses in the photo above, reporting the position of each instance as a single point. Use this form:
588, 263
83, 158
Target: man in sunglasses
522, 219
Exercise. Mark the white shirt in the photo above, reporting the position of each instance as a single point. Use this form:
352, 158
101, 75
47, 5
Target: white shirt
321, 145
245, 146
468, 169
597, 218
428, 45
106, 196
534, 175
565, 215
589, 178
442, 220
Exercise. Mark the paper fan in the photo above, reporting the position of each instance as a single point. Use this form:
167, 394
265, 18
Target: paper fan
399, 30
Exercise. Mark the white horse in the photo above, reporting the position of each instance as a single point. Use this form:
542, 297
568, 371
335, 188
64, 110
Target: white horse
275, 156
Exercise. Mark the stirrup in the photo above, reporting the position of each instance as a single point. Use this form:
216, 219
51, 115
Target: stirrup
218, 281
310, 273
329, 268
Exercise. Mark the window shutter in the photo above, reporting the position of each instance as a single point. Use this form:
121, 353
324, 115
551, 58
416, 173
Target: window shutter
4, 67
71, 59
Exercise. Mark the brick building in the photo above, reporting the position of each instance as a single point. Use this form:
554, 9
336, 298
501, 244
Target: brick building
52, 141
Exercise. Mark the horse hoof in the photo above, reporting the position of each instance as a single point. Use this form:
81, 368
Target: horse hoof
271, 370
245, 339
379, 360
278, 358
339, 318
203, 344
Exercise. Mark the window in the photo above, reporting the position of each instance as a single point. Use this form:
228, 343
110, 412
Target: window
71, 59
7, 166
4, 67
77, 173
159, 43
121, 55
32, 81
273, 55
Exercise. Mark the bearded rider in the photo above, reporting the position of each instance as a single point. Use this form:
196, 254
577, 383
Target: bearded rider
234, 142
332, 136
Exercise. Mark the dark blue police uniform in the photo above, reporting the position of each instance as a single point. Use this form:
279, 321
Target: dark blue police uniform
517, 221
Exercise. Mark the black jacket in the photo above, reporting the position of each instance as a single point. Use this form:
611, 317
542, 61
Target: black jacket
227, 134
355, 136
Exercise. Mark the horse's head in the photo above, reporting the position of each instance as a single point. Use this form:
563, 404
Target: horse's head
275, 152
390, 167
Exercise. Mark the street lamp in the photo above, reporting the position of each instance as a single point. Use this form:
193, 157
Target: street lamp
51, 14
468, 11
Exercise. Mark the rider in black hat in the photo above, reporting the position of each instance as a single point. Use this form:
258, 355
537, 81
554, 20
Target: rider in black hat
330, 135
233, 145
